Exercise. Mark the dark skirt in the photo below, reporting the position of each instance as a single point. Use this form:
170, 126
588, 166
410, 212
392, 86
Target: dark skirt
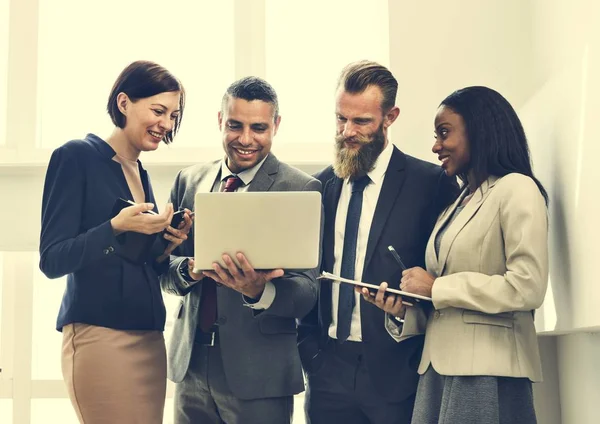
473, 400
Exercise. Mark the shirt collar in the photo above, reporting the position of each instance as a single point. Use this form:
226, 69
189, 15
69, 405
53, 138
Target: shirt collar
381, 165
247, 175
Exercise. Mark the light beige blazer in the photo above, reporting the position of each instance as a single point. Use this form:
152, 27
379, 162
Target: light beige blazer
493, 272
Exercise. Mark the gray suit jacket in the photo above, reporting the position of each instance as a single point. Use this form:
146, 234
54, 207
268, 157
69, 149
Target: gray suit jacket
259, 352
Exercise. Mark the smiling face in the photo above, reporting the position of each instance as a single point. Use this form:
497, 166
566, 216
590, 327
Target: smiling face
248, 128
451, 143
148, 120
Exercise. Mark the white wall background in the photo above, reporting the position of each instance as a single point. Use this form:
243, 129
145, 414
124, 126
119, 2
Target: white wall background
561, 119
543, 55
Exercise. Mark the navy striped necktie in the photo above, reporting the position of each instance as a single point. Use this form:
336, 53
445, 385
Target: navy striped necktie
346, 298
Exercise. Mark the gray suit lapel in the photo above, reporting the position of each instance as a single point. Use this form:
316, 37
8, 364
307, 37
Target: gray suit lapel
207, 179
265, 177
202, 181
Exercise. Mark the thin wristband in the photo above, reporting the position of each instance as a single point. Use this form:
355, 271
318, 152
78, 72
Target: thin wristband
184, 271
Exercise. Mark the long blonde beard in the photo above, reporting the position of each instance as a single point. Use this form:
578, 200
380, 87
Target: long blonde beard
351, 163
347, 163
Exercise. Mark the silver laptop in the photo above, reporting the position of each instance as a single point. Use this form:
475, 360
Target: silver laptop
273, 229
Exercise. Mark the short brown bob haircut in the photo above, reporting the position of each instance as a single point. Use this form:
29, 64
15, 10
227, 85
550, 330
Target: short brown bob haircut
143, 79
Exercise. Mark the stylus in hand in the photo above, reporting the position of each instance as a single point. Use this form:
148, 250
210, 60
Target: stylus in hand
397, 257
151, 212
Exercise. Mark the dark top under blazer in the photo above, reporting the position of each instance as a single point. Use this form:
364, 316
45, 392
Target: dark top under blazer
413, 194
77, 240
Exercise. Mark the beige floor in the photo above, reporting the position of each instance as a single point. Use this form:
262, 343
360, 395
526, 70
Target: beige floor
50, 411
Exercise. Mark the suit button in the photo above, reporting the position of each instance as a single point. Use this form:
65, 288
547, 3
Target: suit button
105, 251
222, 320
111, 249
436, 314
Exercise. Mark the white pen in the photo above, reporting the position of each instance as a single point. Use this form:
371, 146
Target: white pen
151, 212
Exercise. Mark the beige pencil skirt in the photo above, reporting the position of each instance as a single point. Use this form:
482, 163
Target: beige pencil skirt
115, 376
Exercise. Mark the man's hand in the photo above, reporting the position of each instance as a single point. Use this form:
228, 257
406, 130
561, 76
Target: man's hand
390, 303
244, 279
418, 281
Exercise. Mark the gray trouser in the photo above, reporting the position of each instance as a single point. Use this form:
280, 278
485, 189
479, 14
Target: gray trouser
204, 396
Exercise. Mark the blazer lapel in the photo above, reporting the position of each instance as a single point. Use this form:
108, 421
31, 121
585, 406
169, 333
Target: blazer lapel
431, 257
461, 220
392, 183
202, 182
265, 176
205, 181
331, 197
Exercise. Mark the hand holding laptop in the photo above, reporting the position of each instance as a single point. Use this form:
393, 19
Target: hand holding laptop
244, 279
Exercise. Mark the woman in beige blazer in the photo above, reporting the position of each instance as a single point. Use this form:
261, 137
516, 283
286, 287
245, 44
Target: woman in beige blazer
487, 270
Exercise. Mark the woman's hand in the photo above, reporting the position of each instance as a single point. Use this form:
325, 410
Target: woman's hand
390, 303
418, 281
176, 236
134, 219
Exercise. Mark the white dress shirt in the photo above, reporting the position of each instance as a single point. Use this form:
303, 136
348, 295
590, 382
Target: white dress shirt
370, 198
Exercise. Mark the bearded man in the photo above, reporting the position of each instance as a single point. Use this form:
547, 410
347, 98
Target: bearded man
361, 362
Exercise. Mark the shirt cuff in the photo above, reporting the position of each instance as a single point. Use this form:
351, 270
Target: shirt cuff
266, 299
415, 323
394, 326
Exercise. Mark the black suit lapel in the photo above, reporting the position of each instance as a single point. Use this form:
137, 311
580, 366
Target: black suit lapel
392, 183
331, 196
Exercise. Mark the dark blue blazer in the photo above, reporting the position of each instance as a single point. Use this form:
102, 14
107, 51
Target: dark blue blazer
77, 240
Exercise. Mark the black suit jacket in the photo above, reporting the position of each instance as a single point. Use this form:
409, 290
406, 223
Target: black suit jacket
413, 194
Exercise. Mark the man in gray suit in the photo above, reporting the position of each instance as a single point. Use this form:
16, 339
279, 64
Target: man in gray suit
233, 352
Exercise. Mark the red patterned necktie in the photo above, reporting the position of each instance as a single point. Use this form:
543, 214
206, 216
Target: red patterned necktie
208, 302
232, 183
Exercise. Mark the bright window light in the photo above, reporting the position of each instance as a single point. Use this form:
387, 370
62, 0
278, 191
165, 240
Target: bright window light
3, 67
83, 46
308, 43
